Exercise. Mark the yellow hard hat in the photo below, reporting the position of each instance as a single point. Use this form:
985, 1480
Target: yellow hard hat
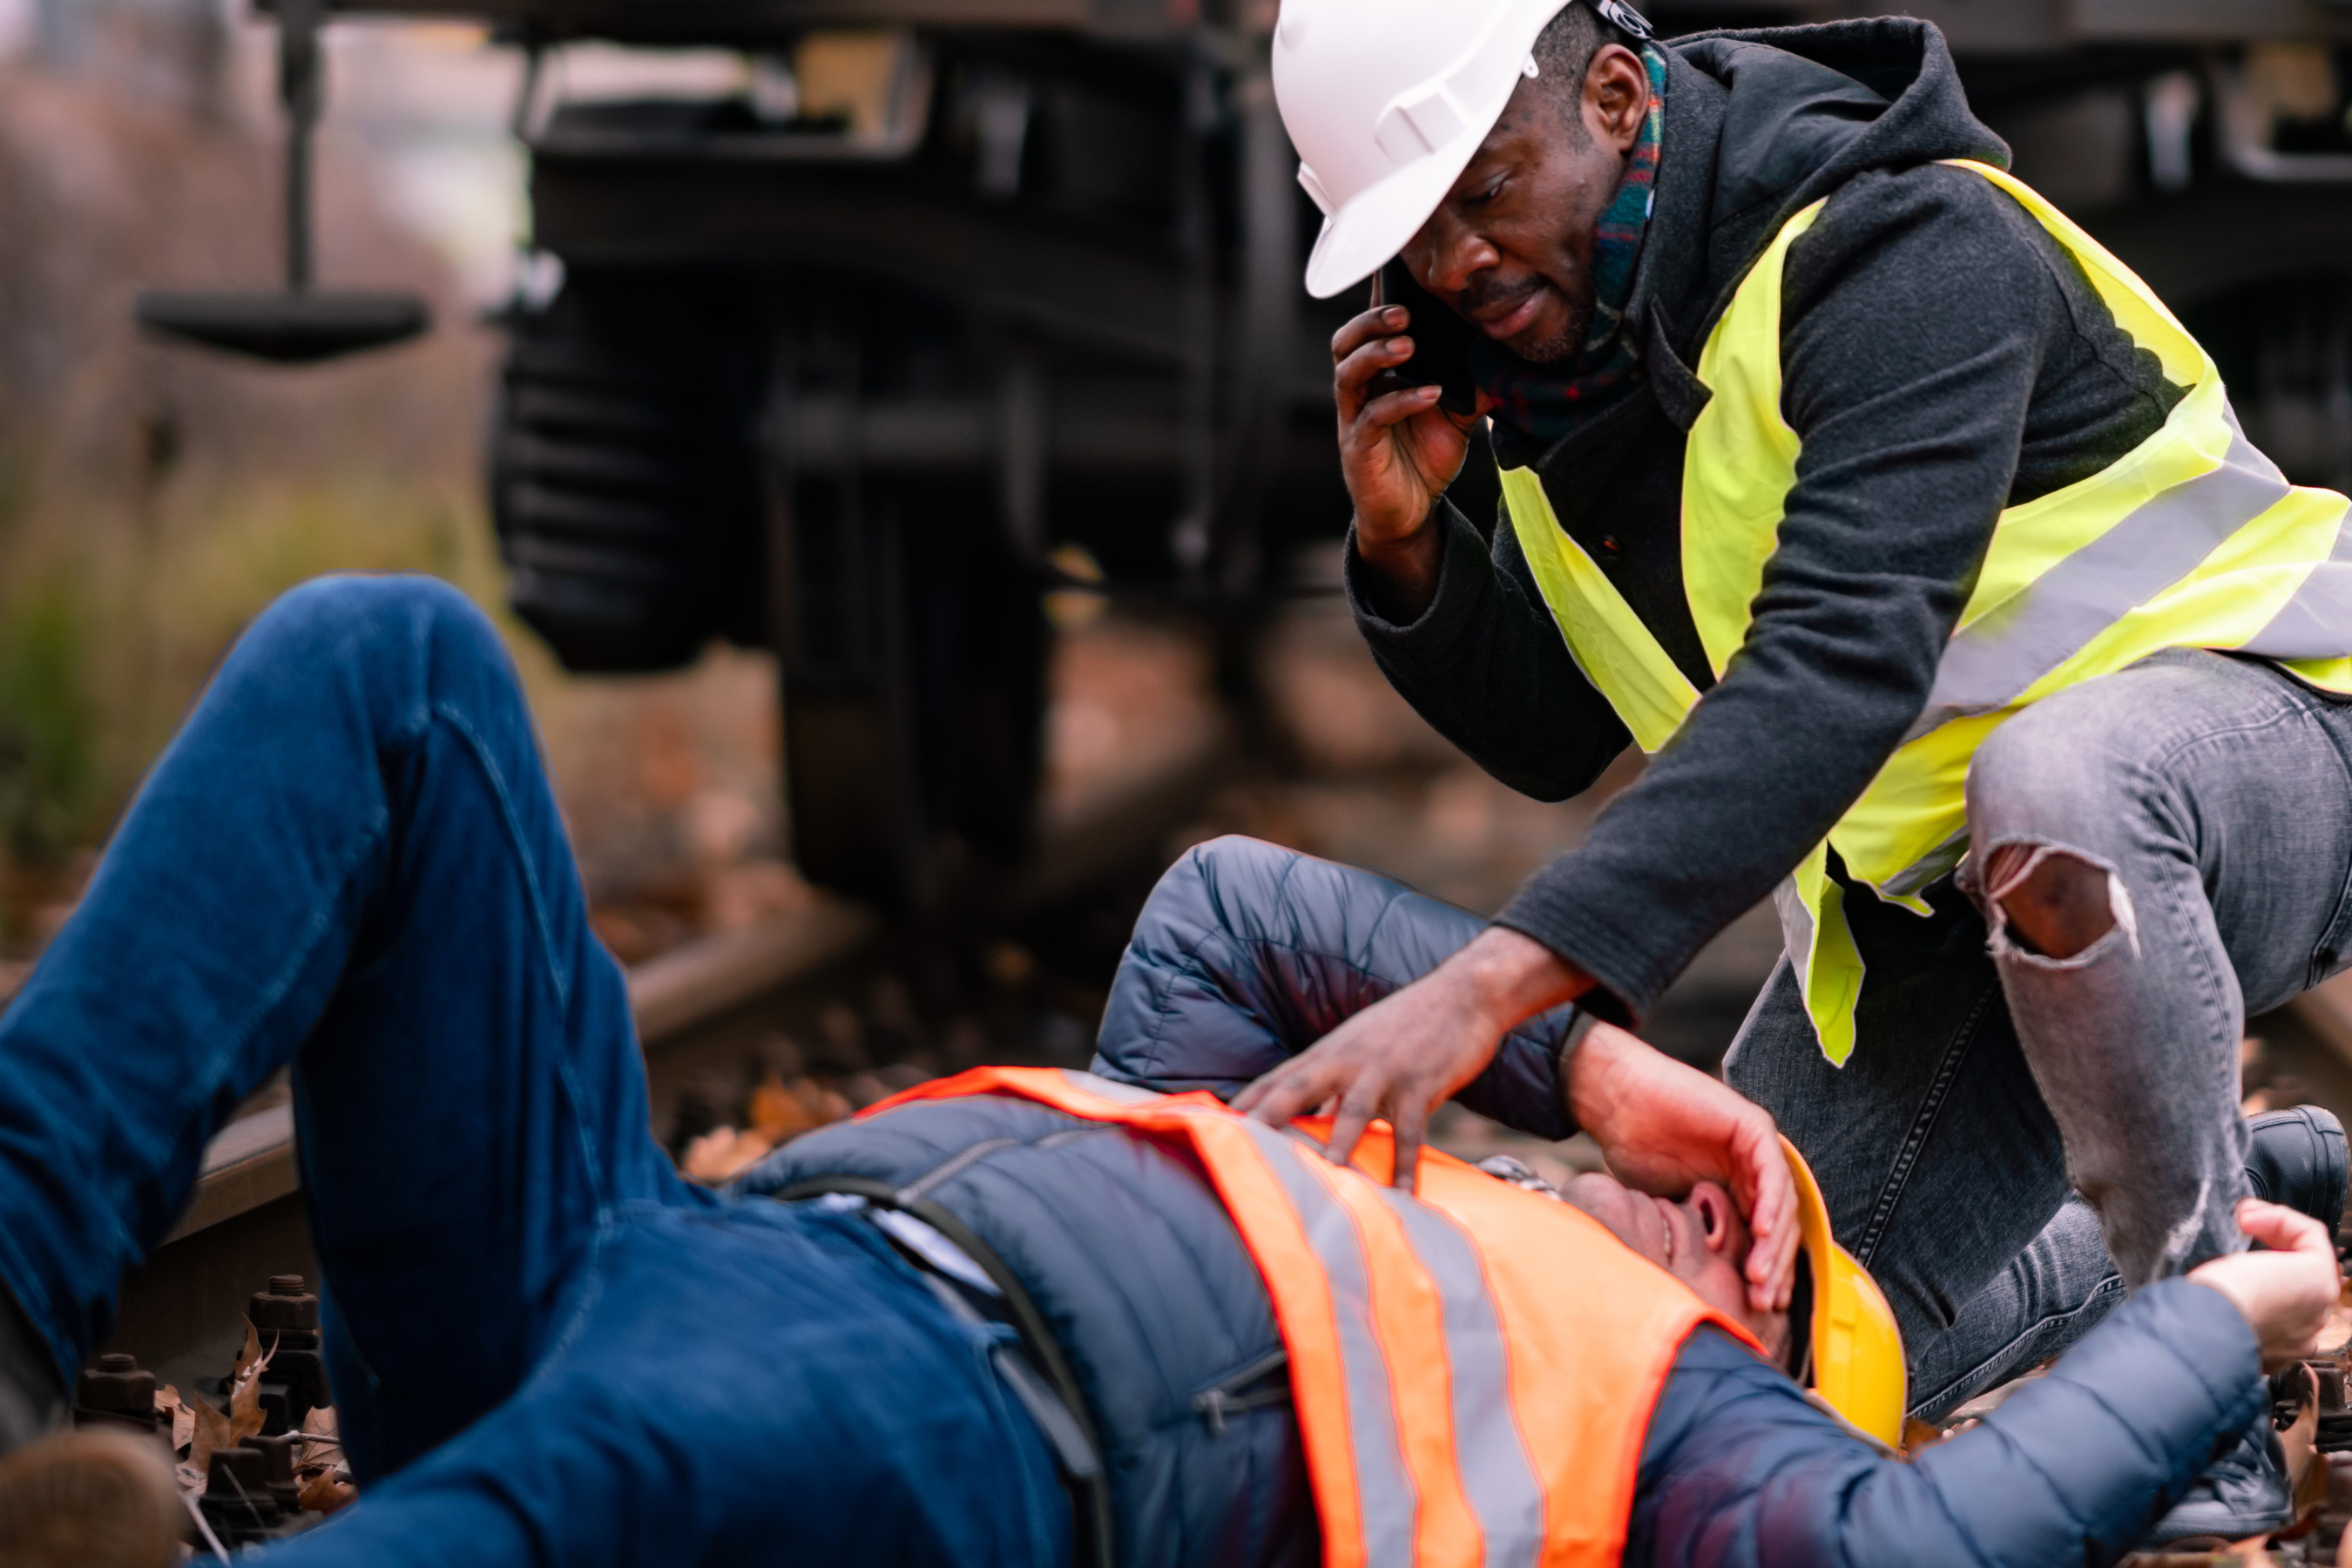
1857, 1349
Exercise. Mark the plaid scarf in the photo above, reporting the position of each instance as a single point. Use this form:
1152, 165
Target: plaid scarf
1546, 400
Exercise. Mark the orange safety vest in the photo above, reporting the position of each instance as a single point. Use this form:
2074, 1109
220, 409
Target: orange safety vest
1474, 1369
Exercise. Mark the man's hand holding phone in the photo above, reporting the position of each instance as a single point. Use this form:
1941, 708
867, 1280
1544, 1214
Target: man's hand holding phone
1398, 451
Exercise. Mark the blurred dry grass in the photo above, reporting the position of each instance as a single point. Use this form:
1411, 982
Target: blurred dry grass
153, 499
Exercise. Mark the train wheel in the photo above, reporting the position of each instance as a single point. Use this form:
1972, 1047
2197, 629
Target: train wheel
914, 690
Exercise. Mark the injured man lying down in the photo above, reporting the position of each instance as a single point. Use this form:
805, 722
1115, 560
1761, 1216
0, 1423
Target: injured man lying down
1021, 1316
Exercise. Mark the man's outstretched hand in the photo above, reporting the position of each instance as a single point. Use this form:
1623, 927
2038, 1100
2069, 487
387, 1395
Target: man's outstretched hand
1661, 1125
1405, 1055
1665, 1127
2283, 1293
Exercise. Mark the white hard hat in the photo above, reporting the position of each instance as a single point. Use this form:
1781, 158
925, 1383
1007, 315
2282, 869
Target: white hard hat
1386, 99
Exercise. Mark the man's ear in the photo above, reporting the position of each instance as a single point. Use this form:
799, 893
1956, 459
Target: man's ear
1616, 97
1717, 1218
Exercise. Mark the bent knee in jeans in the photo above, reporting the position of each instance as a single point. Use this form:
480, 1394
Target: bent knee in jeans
2049, 904
2147, 859
2056, 816
381, 628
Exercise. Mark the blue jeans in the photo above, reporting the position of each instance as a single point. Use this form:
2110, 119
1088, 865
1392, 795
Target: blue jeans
544, 1346
1988, 1085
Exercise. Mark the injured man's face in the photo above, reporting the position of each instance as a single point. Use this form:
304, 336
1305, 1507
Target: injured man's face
1702, 1241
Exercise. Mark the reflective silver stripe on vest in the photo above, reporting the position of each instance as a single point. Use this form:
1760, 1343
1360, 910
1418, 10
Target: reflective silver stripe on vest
1796, 922
1109, 1088
1990, 663
2317, 622
1489, 1452
1929, 866
1384, 1488
1498, 1475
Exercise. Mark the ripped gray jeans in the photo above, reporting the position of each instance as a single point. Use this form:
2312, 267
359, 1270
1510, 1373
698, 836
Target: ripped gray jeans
2017, 1140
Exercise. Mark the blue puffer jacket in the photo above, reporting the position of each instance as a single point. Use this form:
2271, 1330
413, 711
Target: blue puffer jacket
1246, 954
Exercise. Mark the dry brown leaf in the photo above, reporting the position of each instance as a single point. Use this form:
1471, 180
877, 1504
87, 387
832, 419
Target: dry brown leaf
169, 1403
812, 1095
722, 1154
323, 1493
244, 1407
777, 1113
706, 1159
2310, 1485
321, 1436
212, 1430
2307, 1466
1920, 1436
244, 1388
824, 1105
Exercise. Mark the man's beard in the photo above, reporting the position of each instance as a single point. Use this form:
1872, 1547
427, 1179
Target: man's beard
1562, 345
1550, 349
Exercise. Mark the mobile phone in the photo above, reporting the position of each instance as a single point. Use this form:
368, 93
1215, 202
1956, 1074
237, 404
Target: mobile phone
1441, 343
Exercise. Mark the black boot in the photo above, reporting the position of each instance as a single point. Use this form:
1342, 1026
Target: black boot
2296, 1158
2244, 1492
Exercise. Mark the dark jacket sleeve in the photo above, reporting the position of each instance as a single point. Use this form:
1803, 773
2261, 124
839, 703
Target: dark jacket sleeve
1915, 316
1246, 954
1739, 1471
1486, 666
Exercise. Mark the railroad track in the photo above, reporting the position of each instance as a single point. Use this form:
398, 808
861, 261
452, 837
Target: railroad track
181, 1314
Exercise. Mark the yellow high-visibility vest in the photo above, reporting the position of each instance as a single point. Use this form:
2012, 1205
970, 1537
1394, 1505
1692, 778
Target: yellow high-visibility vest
2193, 539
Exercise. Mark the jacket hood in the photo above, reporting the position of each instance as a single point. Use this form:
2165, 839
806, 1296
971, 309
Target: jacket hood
1761, 123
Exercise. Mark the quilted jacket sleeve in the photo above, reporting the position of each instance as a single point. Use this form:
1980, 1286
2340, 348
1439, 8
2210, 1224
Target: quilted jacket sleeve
1740, 1472
1247, 953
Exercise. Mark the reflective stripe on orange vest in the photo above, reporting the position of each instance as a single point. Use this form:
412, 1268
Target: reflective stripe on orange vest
1472, 1369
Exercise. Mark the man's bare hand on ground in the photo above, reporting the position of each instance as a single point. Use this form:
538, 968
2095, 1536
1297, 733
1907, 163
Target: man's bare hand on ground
1397, 453
1661, 1125
2283, 1293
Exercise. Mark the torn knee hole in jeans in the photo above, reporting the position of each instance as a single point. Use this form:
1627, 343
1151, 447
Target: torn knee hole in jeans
2054, 906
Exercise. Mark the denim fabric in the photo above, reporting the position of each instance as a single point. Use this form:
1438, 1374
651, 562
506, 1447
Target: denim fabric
544, 1346
2048, 1296
1988, 1083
